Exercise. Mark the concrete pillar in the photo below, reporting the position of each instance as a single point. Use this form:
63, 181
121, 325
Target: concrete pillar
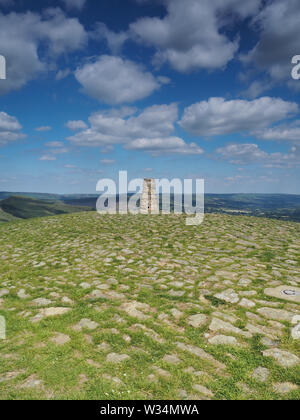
149, 199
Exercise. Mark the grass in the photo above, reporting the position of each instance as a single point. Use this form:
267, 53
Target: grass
148, 260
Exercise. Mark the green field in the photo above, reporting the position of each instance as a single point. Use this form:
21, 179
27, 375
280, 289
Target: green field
145, 307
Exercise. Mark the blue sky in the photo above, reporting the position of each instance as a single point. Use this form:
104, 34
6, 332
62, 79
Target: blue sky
161, 88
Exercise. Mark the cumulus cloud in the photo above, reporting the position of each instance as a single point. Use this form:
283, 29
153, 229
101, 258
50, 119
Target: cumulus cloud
157, 146
69, 166
31, 43
241, 154
279, 30
62, 74
250, 153
10, 129
113, 80
76, 125
283, 132
218, 116
150, 130
47, 158
115, 40
191, 35
55, 148
111, 128
107, 161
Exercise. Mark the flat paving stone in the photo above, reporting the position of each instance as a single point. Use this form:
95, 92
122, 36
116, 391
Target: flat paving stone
284, 387
290, 293
203, 390
116, 358
261, 374
171, 358
226, 340
219, 325
86, 323
282, 357
276, 314
60, 339
228, 295
197, 320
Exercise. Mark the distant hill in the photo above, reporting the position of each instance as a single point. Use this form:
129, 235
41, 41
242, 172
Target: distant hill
6, 217
26, 208
38, 196
275, 206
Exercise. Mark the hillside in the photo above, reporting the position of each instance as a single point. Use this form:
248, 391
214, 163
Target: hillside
144, 307
38, 196
275, 206
6, 217
26, 208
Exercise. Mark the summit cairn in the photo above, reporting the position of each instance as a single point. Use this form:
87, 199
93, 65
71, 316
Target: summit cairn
149, 200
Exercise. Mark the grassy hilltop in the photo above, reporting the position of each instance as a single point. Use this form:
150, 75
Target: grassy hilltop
145, 307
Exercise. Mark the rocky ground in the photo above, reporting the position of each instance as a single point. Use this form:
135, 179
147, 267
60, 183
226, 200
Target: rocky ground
145, 307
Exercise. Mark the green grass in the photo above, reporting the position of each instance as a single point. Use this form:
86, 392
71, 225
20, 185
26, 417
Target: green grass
144, 259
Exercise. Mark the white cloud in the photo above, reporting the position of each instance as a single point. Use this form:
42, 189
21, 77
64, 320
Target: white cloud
151, 130
249, 153
74, 4
55, 148
290, 133
62, 74
76, 125
241, 154
107, 161
191, 35
279, 30
218, 116
115, 40
43, 128
47, 158
10, 129
8, 123
32, 42
111, 128
157, 146
122, 112
113, 80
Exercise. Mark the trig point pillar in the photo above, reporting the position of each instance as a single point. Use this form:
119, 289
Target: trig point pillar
149, 200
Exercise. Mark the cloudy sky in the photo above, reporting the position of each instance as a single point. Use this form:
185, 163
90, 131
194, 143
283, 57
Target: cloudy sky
161, 88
